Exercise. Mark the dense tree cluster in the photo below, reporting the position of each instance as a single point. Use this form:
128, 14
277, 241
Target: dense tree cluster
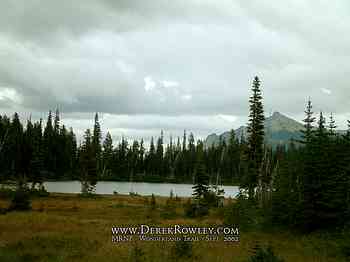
173, 162
41, 151
33, 152
305, 184
312, 186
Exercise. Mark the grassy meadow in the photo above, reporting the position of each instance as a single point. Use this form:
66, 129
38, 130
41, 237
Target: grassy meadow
68, 227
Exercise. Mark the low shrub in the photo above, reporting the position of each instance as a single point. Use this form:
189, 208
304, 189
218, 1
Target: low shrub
243, 212
196, 209
153, 203
6, 193
41, 192
169, 210
133, 194
262, 254
182, 250
137, 254
21, 200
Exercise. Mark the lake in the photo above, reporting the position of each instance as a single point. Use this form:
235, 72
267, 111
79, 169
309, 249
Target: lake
144, 189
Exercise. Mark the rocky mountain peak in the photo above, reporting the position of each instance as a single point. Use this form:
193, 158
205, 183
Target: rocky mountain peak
279, 128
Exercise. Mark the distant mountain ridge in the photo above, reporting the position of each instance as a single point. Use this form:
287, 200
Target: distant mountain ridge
279, 129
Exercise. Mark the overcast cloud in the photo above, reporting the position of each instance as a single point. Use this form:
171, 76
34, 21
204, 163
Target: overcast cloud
172, 65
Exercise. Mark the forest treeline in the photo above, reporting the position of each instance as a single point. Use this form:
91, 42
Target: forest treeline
38, 151
305, 184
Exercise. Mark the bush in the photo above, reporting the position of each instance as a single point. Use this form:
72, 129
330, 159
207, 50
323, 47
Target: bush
153, 202
137, 254
264, 255
10, 255
169, 210
6, 193
345, 242
189, 209
198, 209
10, 193
87, 188
133, 194
213, 198
202, 210
21, 200
182, 250
243, 212
88, 195
41, 192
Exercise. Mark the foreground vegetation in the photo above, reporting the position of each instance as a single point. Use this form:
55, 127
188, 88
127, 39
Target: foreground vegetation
64, 227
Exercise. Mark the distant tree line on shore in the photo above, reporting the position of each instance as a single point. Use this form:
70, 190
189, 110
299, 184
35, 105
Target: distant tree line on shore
37, 151
34, 153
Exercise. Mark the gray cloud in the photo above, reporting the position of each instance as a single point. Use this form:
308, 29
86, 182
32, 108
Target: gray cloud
172, 64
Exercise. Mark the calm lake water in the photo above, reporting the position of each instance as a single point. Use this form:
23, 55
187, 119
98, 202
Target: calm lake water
144, 189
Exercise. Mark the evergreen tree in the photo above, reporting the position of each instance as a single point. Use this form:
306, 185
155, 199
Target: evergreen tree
72, 149
331, 187
16, 150
28, 148
87, 163
57, 149
309, 120
56, 126
287, 194
169, 167
4, 142
120, 164
96, 143
62, 152
184, 141
159, 156
134, 157
255, 141
348, 130
178, 145
107, 156
332, 126
305, 204
49, 146
151, 158
36, 162
201, 186
191, 154
231, 158
142, 167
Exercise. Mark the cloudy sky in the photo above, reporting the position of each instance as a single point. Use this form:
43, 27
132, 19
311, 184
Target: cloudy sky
172, 65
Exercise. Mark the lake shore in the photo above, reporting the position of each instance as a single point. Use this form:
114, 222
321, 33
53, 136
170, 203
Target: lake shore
141, 188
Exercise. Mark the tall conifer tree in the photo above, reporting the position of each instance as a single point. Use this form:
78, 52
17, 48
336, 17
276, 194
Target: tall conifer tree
96, 143
255, 141
309, 120
201, 185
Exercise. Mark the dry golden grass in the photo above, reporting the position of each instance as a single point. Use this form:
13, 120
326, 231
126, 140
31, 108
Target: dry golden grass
66, 227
